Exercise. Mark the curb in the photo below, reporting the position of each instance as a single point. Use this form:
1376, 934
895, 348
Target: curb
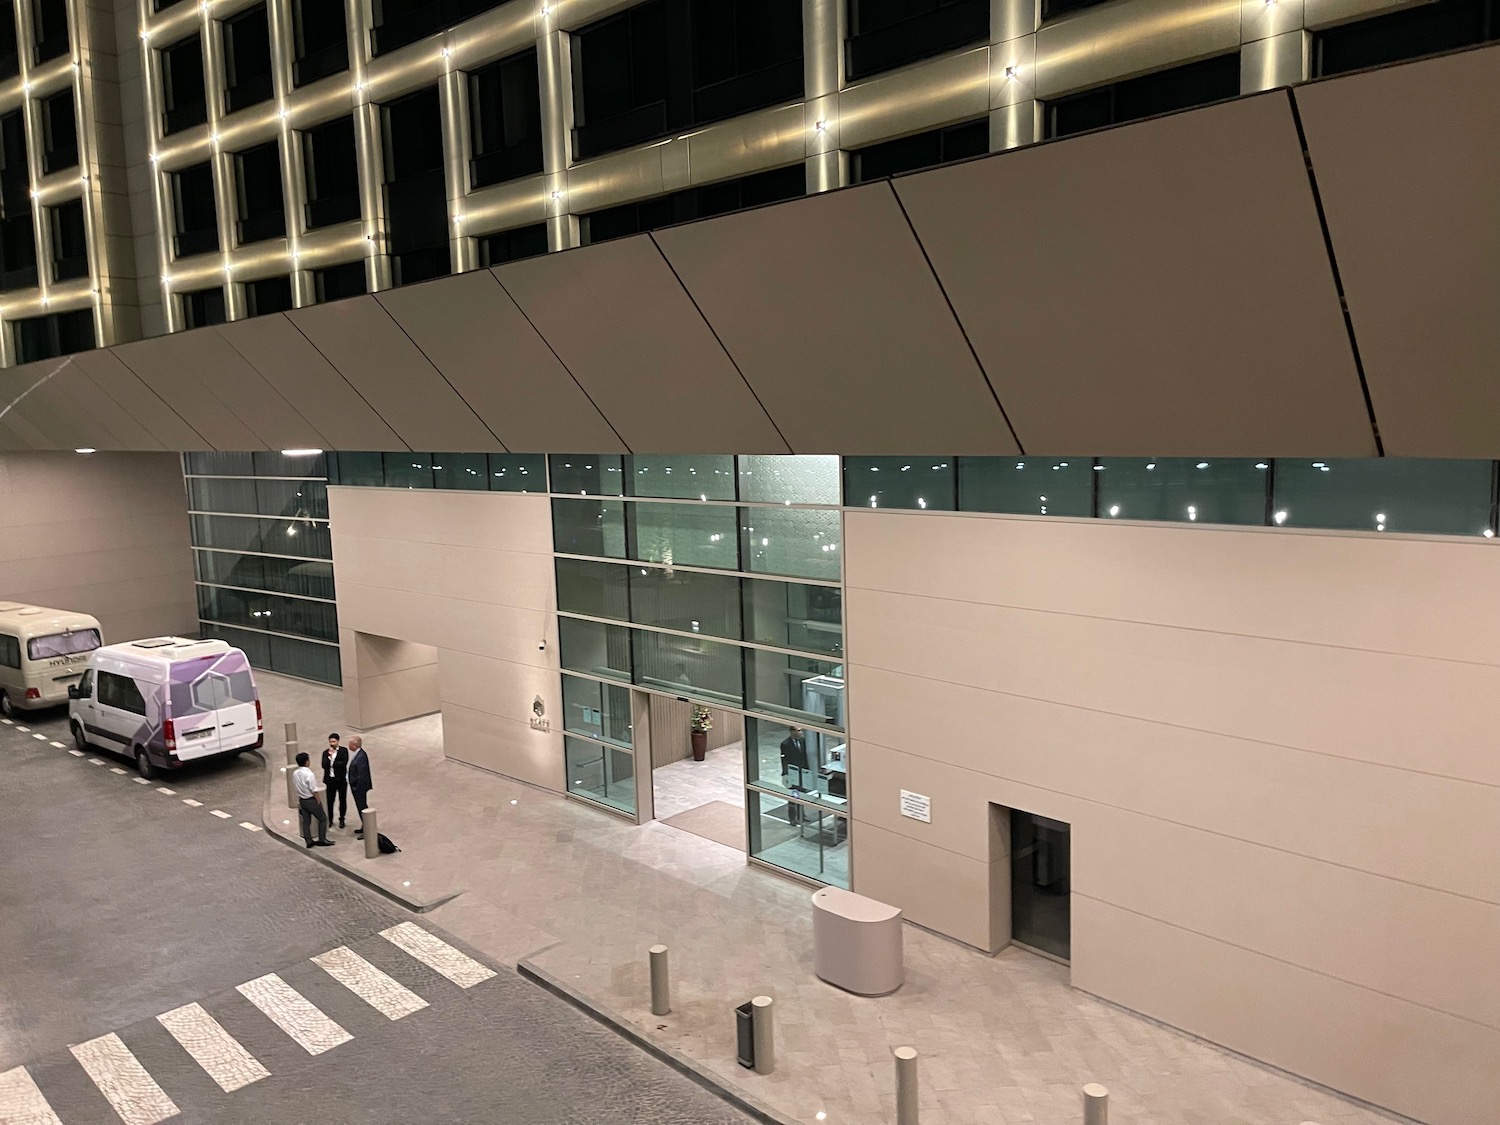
754, 1107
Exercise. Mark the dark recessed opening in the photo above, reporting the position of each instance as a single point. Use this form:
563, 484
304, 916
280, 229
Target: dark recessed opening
59, 132
505, 111
337, 282
922, 150
70, 247
258, 199
416, 197
47, 337
1427, 29
694, 203
513, 245
320, 40
247, 59
202, 307
885, 34
395, 23
1180, 87
268, 295
196, 224
50, 32
10, 57
331, 170
184, 100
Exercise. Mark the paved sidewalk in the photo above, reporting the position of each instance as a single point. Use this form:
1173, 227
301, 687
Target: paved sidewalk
582, 895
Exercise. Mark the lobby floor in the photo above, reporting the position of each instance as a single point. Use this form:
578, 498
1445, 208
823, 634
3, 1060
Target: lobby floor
1004, 1040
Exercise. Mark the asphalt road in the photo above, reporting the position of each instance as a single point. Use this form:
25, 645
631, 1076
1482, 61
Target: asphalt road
120, 903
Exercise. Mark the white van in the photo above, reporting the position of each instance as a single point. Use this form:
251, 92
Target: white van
167, 701
42, 654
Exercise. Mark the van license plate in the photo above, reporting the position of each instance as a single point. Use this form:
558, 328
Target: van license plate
204, 733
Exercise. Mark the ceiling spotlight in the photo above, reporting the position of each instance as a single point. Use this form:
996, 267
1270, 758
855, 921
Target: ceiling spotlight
85, 450
1010, 72
300, 452
446, 52
557, 195
821, 126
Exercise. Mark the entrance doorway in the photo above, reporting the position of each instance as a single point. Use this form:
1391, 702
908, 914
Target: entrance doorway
705, 798
1040, 883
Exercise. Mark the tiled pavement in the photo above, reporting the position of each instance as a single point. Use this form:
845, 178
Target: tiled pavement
1004, 1040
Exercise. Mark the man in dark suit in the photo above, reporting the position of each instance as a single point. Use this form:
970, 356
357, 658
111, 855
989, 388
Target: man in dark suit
794, 769
359, 780
336, 776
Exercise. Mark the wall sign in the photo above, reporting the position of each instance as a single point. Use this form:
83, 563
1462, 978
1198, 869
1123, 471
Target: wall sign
539, 721
916, 806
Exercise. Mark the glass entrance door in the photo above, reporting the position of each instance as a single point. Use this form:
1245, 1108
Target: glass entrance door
1040, 882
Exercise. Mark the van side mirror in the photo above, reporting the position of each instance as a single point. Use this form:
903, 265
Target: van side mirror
72, 691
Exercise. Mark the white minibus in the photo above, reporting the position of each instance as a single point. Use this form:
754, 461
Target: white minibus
42, 654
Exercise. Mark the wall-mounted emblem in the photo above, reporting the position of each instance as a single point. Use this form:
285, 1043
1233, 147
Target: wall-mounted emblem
539, 721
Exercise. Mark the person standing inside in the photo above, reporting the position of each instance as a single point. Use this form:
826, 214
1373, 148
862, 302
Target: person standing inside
336, 777
359, 780
309, 807
794, 769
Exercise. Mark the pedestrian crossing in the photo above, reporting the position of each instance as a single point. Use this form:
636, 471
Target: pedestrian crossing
138, 1076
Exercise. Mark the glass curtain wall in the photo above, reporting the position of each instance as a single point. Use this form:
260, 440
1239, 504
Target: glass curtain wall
263, 559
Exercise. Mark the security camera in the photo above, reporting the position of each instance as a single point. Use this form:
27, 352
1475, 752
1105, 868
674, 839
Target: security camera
541, 646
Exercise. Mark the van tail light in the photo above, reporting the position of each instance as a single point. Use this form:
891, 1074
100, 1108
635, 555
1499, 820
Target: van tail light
258, 724
169, 735
33, 693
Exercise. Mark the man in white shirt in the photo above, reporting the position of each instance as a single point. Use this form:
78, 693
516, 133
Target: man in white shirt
309, 804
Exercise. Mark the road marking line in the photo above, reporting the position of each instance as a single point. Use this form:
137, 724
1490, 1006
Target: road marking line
437, 954
213, 1048
57, 745
116, 769
124, 1081
23, 730
7, 722
76, 753
387, 996
21, 1101
219, 813
140, 781
289, 1010
245, 824
193, 803
96, 761
39, 735
168, 792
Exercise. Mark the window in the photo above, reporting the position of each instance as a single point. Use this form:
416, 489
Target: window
518, 472
1051, 9
17, 231
258, 198
513, 245
47, 337
70, 247
884, 34
416, 196
811, 478
594, 589
798, 542
197, 221
923, 150
247, 58
59, 132
1189, 489
588, 474
601, 773
794, 615
49, 28
460, 471
183, 94
1180, 87
408, 470
399, 22
1034, 486
269, 295
202, 307
1426, 29
62, 644
681, 477
18, 249
589, 527
332, 173
594, 648
10, 59
1395, 494
505, 109
790, 759
337, 282
10, 651
694, 203
1040, 882
800, 837
691, 666
600, 711
120, 692
684, 534
799, 688
685, 600
899, 482
319, 39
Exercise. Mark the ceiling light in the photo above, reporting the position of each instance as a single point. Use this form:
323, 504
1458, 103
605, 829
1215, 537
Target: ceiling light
300, 452
821, 126
557, 195
446, 52
85, 450
1010, 72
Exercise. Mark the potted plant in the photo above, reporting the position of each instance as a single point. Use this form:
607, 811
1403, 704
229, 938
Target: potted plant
703, 722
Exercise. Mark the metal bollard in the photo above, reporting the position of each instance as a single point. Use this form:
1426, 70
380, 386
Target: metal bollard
763, 1022
906, 1085
291, 764
372, 835
1095, 1105
661, 981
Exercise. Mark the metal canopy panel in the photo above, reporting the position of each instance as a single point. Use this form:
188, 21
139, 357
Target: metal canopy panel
141, 419
16, 432
231, 378
369, 349
63, 410
623, 325
160, 369
1409, 174
829, 309
1157, 289
288, 361
470, 328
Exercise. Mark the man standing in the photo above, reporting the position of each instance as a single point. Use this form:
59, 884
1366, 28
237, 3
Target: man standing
309, 807
359, 780
794, 769
336, 776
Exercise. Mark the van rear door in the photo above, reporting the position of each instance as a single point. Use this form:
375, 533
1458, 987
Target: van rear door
213, 707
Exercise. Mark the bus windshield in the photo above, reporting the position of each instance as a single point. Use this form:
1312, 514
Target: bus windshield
62, 644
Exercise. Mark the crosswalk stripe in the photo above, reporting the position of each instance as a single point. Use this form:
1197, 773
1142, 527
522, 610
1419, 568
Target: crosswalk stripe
289, 1010
124, 1081
213, 1048
437, 954
248, 827
23, 730
22, 1102
387, 996
7, 722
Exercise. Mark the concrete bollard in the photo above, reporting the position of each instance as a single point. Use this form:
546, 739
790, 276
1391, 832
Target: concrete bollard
372, 835
906, 1085
291, 764
1095, 1105
763, 1021
661, 981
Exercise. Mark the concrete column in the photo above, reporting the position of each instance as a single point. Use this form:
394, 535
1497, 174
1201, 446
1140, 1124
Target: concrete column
368, 150
453, 103
555, 66
1015, 114
824, 29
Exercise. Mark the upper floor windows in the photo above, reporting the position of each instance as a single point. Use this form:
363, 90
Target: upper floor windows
337, 282
332, 173
922, 150
1444, 25
1180, 87
202, 307
268, 295
49, 29
70, 247
694, 203
395, 23
320, 40
10, 57
247, 59
258, 196
416, 196
505, 114
59, 132
47, 337
194, 216
513, 245
884, 34
184, 102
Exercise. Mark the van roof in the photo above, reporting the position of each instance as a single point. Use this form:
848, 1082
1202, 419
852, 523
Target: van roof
33, 620
166, 650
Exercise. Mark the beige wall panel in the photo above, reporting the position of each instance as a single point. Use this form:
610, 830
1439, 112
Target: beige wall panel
124, 388
504, 746
1409, 174
386, 680
380, 361
508, 632
501, 521
380, 655
1158, 316
864, 353
129, 430
394, 696
462, 574
1429, 1065
620, 320
155, 361
934, 888
471, 329
290, 363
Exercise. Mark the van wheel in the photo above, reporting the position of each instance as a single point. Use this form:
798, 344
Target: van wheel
143, 764
5, 705
78, 739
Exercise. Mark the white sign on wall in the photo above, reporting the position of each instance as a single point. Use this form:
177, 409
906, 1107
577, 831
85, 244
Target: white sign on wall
916, 806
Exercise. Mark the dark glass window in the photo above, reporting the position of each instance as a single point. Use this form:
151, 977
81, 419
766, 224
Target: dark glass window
50, 30
1180, 87
923, 150
257, 183
408, 470
672, 64
320, 40
1037, 486
332, 173
1040, 881
268, 295
588, 474
1426, 29
197, 224
399, 22
1051, 9
505, 108
1387, 494
203, 307
1186, 489
247, 58
163, 5
694, 203
70, 247
59, 132
416, 197
513, 245
183, 94
884, 34
925, 483
10, 58
18, 247
47, 337
338, 282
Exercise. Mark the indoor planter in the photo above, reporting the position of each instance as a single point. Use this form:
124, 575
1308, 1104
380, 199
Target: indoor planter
702, 723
